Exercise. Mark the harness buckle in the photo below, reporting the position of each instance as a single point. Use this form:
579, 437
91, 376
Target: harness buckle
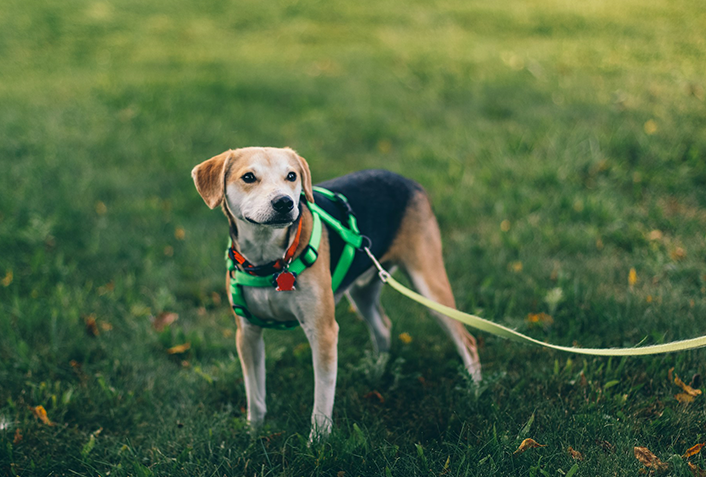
306, 255
242, 311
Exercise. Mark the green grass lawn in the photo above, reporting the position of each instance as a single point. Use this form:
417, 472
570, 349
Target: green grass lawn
562, 143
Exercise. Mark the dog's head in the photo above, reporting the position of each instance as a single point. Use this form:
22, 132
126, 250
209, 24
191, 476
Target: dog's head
261, 185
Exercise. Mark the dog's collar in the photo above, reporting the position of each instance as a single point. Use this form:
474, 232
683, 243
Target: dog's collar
268, 268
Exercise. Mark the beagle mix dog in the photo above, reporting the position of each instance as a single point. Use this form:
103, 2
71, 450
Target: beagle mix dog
263, 193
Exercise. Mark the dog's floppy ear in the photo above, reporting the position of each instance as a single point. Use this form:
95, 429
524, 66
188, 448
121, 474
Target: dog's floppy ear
306, 179
209, 178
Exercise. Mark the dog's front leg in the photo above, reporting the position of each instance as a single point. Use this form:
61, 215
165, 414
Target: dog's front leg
251, 350
322, 333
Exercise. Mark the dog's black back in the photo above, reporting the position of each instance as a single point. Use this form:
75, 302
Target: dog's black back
379, 200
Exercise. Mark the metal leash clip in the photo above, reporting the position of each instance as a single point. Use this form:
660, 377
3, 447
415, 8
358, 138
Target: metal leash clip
382, 273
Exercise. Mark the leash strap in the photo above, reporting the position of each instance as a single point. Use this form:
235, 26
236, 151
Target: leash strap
507, 333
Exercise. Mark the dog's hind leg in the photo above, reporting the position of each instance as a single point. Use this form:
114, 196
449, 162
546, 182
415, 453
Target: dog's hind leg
436, 287
365, 295
418, 250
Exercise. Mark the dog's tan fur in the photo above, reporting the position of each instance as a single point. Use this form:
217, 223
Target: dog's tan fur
416, 248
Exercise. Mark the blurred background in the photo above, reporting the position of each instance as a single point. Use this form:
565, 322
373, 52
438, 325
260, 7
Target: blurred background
563, 145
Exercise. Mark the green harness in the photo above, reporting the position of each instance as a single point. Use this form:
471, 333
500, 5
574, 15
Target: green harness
350, 235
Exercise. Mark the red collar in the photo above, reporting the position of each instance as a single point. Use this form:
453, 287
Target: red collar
263, 270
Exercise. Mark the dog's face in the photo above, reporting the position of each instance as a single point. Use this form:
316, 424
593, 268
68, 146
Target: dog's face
259, 185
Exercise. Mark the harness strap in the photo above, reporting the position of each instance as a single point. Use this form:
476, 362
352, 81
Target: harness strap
350, 235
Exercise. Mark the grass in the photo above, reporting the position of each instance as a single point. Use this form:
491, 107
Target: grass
553, 137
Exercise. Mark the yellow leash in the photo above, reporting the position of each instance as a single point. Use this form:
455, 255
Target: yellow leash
504, 332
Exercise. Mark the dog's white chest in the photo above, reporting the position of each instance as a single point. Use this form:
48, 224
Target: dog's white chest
269, 304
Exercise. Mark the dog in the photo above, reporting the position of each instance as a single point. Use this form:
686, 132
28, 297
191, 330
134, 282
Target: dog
264, 193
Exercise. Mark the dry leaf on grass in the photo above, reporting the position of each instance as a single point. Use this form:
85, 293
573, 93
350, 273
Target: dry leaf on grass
606, 446
41, 414
8, 279
538, 318
648, 459
528, 444
689, 393
179, 348
632, 277
696, 470
684, 398
693, 450
91, 325
163, 320
687, 389
574, 453
405, 338
376, 395
18, 436
678, 254
655, 235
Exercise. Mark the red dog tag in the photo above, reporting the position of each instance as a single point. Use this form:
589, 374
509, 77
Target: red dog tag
285, 281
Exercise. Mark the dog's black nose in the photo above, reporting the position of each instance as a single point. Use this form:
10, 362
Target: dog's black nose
282, 204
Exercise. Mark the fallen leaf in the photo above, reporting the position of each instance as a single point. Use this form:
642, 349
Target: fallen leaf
655, 235
650, 127
405, 338
163, 320
179, 348
684, 398
101, 208
678, 254
687, 389
179, 233
632, 277
574, 453
516, 266
41, 414
505, 225
606, 446
693, 450
670, 374
8, 278
105, 326
542, 318
18, 436
384, 146
648, 459
107, 288
91, 325
374, 394
696, 471
528, 444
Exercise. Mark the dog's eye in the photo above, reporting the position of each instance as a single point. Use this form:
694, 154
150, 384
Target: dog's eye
248, 178
292, 176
